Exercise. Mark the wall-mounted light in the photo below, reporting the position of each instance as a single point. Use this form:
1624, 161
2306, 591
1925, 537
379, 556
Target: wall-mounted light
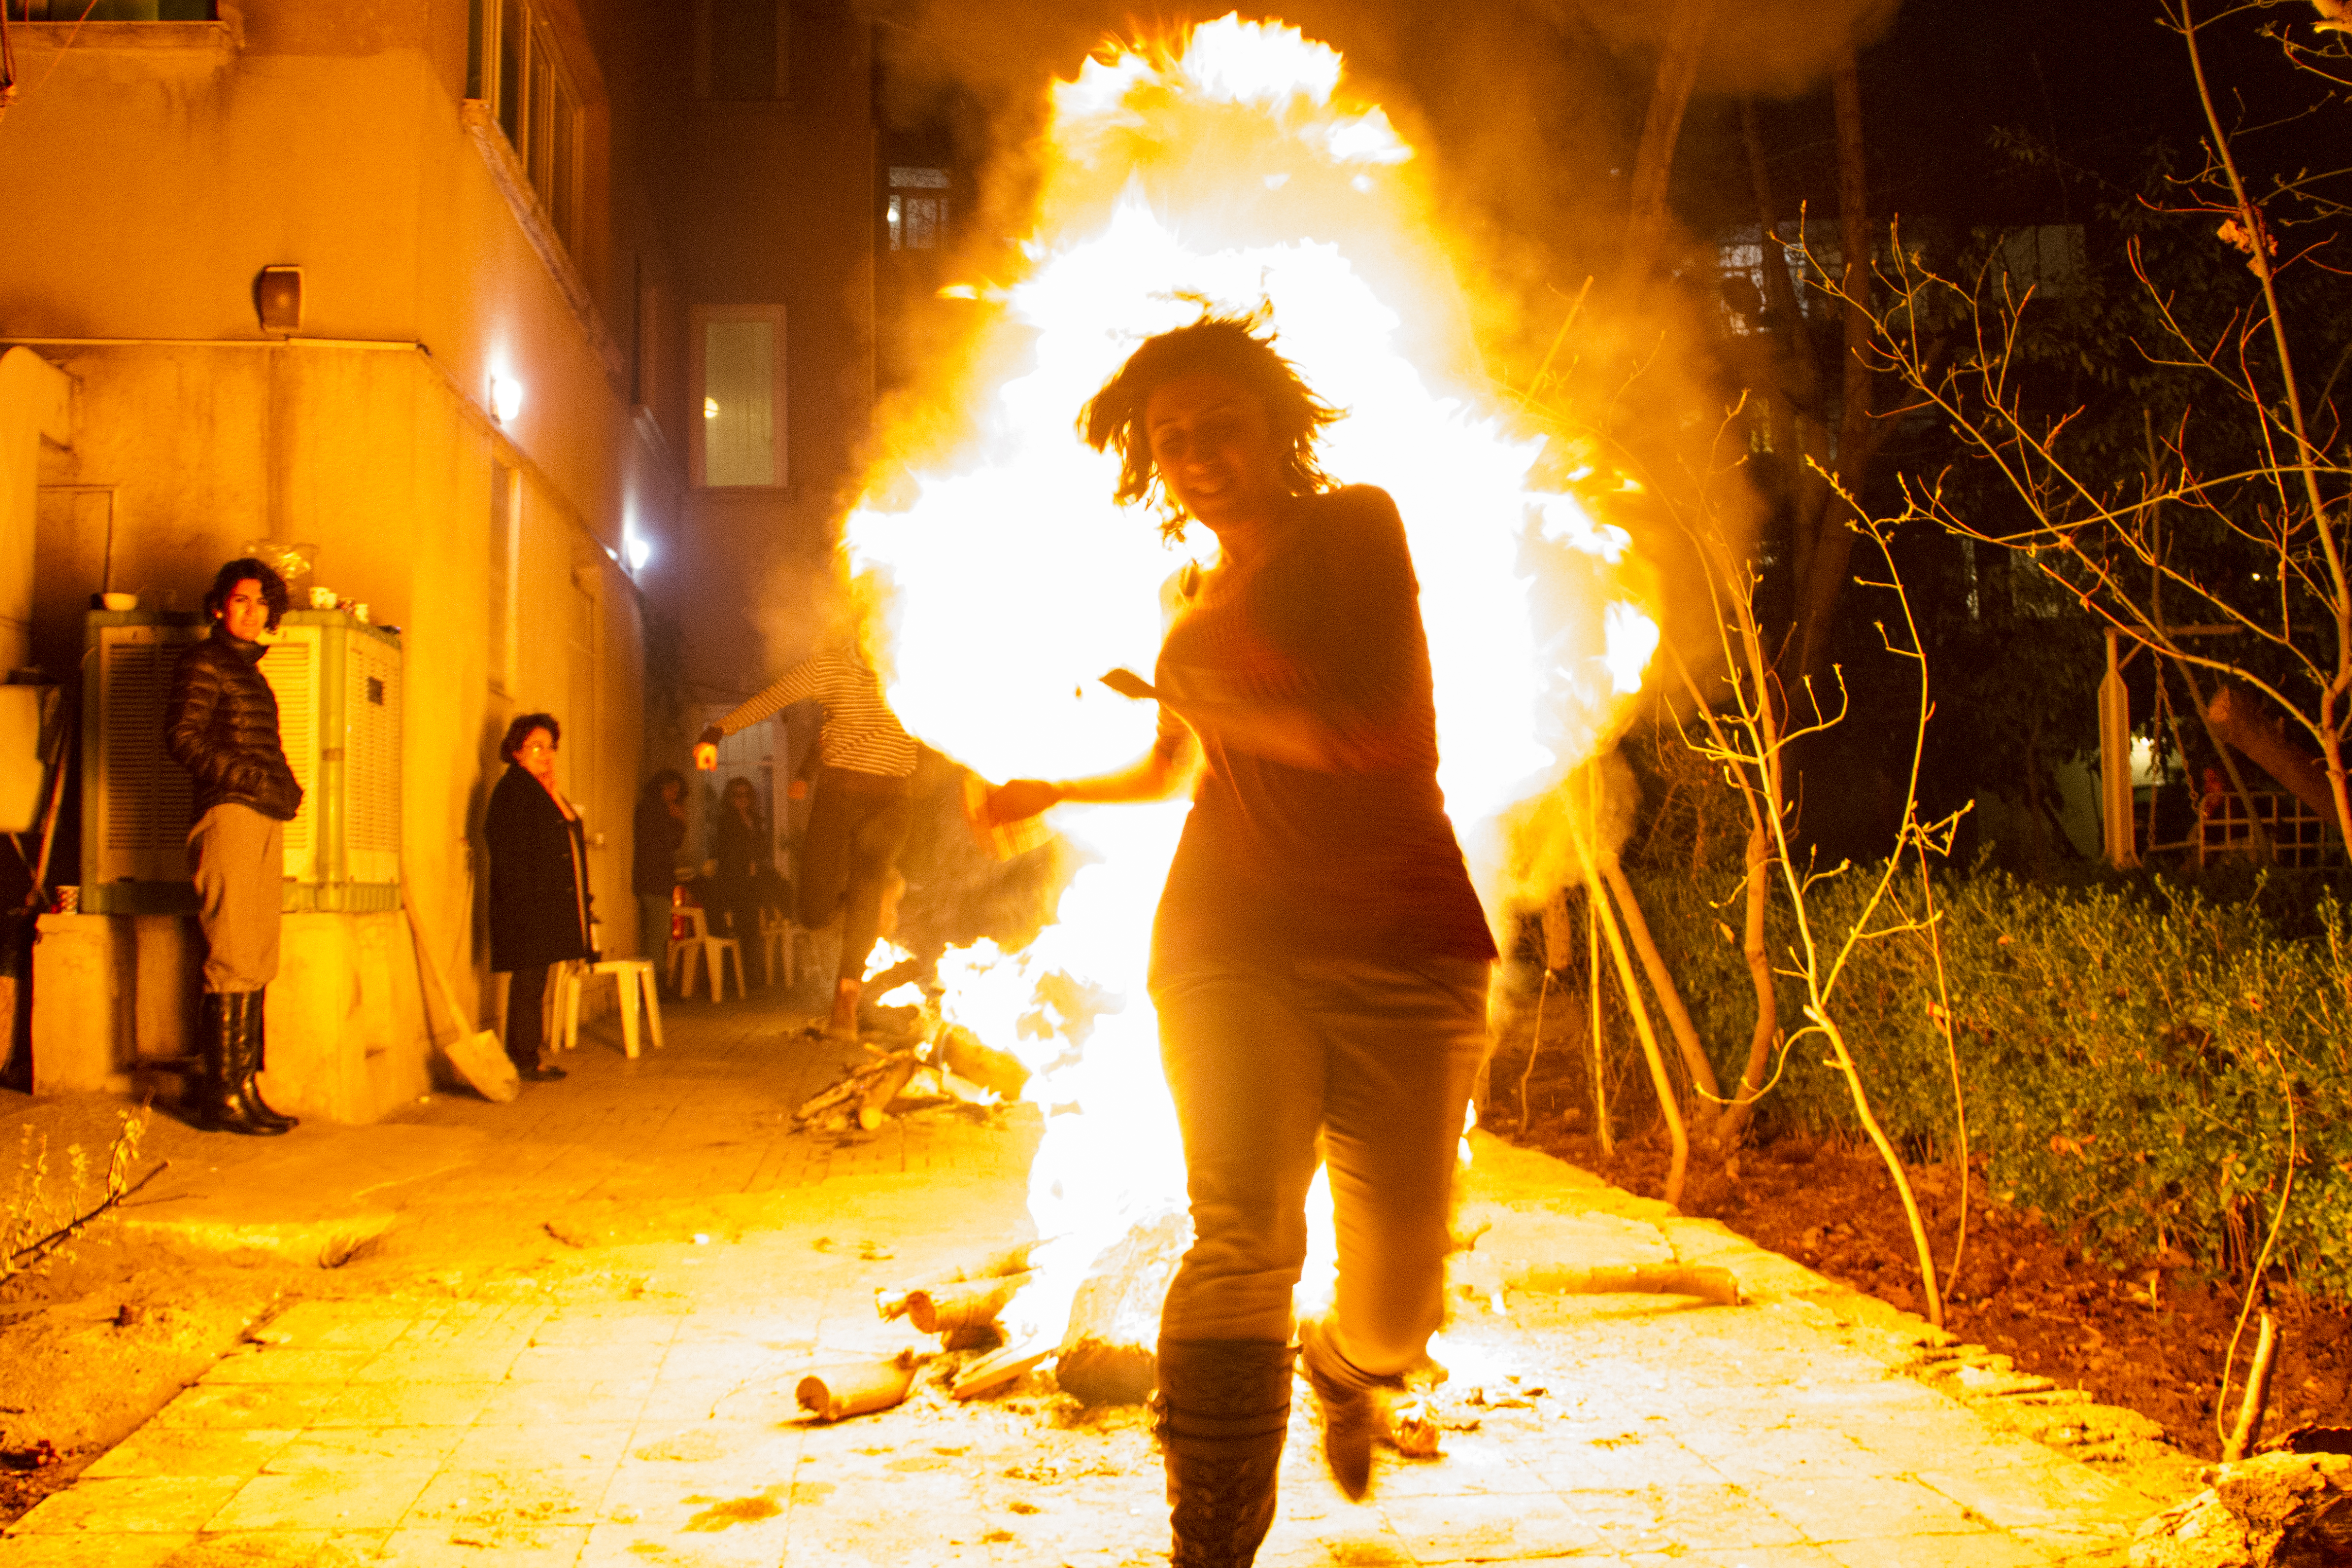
505, 398
638, 549
278, 298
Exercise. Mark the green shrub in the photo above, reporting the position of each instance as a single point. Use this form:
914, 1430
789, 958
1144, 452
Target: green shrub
2128, 1052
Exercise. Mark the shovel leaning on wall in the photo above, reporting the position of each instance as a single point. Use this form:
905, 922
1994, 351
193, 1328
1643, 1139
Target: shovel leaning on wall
476, 1053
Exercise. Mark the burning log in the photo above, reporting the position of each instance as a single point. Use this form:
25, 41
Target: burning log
1109, 1352
962, 1053
832, 1392
1703, 1280
971, 1304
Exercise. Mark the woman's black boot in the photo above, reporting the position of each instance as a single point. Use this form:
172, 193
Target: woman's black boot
221, 1104
1354, 1406
256, 1062
1223, 1409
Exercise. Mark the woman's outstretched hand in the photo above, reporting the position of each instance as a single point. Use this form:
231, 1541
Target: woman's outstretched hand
1017, 800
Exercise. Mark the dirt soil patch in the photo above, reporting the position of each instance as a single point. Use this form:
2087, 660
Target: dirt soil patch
2152, 1339
93, 1346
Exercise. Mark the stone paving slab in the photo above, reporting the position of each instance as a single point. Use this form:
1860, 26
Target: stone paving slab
637, 1409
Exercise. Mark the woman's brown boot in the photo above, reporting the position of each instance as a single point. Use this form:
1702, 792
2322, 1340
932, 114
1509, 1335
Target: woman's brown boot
1222, 1412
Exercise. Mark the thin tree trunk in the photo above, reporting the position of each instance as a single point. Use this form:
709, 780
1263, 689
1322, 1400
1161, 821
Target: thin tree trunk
1825, 543
1759, 974
1662, 128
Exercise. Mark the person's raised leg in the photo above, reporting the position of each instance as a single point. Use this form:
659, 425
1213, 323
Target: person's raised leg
1405, 1046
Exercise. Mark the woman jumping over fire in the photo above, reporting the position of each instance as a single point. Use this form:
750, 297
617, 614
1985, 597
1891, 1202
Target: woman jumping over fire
1319, 961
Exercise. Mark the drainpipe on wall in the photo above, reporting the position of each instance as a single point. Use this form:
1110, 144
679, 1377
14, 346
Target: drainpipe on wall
36, 405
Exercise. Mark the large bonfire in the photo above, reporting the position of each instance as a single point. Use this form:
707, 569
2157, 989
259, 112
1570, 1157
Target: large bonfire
1230, 170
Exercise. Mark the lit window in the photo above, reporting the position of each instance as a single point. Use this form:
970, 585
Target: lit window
738, 367
917, 210
516, 68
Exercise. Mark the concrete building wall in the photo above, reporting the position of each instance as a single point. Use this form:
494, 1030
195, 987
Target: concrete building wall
150, 176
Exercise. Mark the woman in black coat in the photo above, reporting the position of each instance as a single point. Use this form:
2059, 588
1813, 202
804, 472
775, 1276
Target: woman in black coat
539, 882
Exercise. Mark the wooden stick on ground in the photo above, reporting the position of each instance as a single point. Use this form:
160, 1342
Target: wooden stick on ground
881, 1091
942, 1309
832, 1392
990, 1372
890, 1301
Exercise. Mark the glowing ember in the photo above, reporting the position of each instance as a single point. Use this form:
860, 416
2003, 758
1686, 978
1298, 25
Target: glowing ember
1232, 174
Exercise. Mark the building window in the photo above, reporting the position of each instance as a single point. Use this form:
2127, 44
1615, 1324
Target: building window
918, 213
746, 54
110, 10
515, 66
738, 443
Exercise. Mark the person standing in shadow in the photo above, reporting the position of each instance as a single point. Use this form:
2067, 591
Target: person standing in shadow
657, 836
538, 884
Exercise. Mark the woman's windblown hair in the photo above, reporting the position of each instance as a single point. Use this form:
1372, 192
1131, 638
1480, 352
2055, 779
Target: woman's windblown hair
1234, 347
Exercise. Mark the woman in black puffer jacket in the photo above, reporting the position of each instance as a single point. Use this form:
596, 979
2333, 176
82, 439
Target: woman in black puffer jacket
539, 882
220, 723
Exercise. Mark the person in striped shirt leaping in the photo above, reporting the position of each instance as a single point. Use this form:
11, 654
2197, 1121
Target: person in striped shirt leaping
863, 808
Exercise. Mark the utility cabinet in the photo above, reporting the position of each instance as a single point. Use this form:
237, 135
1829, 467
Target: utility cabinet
338, 682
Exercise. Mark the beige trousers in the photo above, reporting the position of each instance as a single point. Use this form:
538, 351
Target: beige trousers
238, 858
1372, 1062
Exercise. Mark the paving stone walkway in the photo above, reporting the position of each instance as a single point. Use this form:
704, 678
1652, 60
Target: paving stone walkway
613, 1385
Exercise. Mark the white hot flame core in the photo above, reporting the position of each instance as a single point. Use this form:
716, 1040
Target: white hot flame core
1011, 582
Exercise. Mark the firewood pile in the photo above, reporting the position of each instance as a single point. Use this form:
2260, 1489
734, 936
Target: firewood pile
960, 1310
944, 1066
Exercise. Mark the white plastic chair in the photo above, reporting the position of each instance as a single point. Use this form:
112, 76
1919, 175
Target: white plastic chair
699, 946
633, 979
778, 934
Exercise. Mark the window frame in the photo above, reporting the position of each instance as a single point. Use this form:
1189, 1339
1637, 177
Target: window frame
546, 108
897, 220
701, 319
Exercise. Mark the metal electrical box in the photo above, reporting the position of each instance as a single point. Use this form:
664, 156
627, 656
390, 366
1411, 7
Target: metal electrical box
338, 683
